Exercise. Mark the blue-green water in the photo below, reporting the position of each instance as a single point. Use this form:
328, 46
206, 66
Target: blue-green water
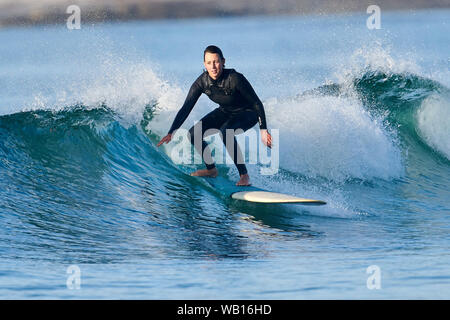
363, 118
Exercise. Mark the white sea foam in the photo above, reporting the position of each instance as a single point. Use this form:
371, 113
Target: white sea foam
334, 137
433, 120
375, 56
129, 88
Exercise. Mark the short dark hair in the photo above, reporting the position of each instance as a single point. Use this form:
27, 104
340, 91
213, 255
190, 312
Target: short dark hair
213, 49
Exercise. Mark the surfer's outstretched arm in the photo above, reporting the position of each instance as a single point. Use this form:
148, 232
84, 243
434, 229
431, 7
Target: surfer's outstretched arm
189, 103
246, 89
191, 100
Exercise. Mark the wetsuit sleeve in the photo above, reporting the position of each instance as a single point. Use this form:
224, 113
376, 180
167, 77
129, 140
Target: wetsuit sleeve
191, 100
250, 95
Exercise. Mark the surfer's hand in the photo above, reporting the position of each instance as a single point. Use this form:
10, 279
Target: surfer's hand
166, 139
266, 138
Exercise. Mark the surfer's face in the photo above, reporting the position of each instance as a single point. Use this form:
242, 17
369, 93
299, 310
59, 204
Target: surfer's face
213, 64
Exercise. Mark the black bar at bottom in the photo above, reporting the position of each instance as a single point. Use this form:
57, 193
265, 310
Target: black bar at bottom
217, 309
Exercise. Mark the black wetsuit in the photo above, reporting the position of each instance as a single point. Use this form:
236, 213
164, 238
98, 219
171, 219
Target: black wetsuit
239, 108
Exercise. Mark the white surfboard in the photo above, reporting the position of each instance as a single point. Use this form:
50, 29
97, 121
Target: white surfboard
273, 197
255, 194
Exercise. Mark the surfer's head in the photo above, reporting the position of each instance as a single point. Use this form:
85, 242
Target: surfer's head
214, 61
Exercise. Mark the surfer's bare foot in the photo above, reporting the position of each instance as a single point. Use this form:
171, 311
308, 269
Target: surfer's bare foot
244, 180
205, 173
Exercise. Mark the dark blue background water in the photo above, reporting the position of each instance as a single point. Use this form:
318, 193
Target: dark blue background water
363, 118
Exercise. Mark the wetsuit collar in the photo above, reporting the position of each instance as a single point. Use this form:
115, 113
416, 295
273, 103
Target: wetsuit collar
219, 78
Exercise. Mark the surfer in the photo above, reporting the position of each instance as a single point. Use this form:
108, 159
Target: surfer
239, 109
